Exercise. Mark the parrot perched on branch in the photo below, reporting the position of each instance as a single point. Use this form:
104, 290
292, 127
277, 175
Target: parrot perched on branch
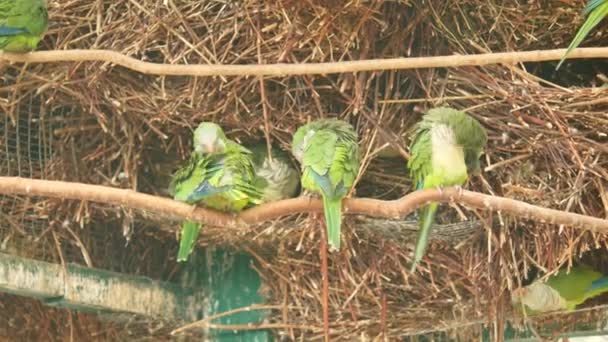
446, 147
22, 24
275, 179
219, 175
561, 291
596, 11
329, 156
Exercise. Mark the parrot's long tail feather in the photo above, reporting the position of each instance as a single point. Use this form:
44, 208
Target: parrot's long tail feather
427, 216
188, 238
332, 208
597, 287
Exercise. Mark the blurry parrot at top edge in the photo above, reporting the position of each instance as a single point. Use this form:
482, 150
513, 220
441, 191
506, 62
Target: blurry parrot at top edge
219, 175
596, 11
328, 152
22, 24
561, 291
446, 146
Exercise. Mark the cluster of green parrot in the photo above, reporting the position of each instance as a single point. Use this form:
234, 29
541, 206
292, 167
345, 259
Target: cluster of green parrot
224, 175
445, 149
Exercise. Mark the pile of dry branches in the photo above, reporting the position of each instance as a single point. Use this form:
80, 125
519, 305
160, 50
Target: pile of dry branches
101, 124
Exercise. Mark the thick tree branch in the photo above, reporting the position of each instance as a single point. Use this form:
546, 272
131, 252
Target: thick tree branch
365, 206
282, 69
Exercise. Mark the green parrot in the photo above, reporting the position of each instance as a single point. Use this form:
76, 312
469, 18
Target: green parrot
219, 175
446, 146
597, 10
22, 24
276, 179
561, 291
329, 156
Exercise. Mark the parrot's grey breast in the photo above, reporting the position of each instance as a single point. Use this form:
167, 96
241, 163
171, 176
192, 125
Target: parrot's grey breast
443, 135
542, 297
447, 155
281, 177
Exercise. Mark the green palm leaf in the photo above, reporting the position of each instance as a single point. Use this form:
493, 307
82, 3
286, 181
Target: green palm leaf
597, 10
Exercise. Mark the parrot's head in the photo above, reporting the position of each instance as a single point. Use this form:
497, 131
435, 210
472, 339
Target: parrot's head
518, 295
469, 134
209, 138
471, 159
300, 140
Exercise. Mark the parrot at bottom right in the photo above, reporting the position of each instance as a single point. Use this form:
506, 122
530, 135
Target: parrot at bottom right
561, 291
446, 147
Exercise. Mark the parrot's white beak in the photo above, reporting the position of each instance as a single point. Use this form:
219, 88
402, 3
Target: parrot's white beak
205, 148
518, 294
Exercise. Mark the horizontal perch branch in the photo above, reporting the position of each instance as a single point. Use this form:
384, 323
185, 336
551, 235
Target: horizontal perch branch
365, 206
283, 69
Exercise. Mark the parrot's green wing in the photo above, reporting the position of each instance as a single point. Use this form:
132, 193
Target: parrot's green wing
420, 162
330, 163
275, 179
317, 163
598, 287
597, 10
183, 188
22, 24
574, 284
222, 181
577, 286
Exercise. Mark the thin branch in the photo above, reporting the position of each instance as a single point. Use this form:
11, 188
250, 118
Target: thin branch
206, 321
283, 69
269, 211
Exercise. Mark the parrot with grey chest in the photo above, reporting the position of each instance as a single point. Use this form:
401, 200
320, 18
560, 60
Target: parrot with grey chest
562, 291
446, 147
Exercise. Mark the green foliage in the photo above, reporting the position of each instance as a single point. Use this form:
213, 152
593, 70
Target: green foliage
597, 10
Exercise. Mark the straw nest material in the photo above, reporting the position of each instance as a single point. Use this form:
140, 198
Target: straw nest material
95, 123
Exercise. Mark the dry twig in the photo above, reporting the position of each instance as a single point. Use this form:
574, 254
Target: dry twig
283, 69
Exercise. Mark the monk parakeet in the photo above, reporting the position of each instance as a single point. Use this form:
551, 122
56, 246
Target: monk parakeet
276, 179
446, 147
22, 24
218, 175
596, 11
562, 291
329, 156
